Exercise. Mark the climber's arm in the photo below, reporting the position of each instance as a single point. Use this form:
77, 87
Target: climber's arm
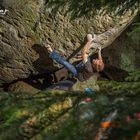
99, 54
84, 52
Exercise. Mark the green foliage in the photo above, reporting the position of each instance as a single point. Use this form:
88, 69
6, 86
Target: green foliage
134, 32
130, 85
133, 76
72, 128
69, 130
18, 109
54, 114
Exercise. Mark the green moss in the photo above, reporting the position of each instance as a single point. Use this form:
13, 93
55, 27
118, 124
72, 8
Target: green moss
10, 117
133, 76
54, 111
131, 84
135, 32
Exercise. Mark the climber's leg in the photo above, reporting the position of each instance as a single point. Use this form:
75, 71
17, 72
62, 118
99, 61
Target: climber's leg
59, 59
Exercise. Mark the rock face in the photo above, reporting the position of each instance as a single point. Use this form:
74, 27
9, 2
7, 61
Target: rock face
21, 86
91, 82
124, 52
63, 24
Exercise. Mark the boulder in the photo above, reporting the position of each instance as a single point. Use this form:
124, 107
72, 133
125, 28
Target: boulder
22, 86
124, 52
90, 83
62, 23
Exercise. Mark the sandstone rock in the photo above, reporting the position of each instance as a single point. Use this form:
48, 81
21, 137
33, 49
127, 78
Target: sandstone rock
113, 73
21, 86
91, 83
27, 23
124, 52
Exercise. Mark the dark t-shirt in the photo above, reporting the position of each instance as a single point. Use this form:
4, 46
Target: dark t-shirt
85, 72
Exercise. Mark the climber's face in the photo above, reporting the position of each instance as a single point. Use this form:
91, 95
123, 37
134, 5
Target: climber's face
98, 65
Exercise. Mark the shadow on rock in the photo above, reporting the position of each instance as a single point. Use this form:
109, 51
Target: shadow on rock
45, 68
41, 81
43, 64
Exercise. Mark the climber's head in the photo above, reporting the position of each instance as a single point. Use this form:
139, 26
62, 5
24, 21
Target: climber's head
97, 65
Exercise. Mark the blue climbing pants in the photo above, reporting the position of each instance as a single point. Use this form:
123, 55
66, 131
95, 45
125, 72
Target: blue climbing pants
61, 60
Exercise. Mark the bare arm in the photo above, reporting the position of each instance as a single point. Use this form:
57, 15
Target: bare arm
84, 52
99, 55
88, 41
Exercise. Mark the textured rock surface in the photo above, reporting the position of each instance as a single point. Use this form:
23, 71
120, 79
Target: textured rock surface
27, 23
124, 52
91, 82
21, 86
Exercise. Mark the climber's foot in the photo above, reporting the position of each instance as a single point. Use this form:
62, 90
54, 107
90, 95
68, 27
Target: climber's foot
47, 46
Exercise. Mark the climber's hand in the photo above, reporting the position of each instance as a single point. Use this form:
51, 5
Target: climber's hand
99, 48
